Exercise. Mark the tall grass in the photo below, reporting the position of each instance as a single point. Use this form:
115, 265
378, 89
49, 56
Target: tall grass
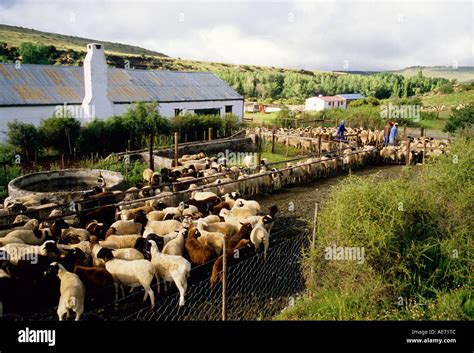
417, 236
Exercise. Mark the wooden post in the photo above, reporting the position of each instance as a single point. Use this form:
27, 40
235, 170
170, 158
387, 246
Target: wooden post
273, 138
195, 135
152, 164
422, 131
129, 144
408, 153
74, 155
424, 151
224, 281
185, 138
210, 133
126, 165
92, 158
319, 145
287, 144
176, 150
313, 240
259, 145
204, 139
62, 161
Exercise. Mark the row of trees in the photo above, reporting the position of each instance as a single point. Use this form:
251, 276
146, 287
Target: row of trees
295, 88
63, 134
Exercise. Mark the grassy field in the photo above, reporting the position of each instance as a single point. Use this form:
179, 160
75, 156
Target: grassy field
14, 36
461, 74
448, 100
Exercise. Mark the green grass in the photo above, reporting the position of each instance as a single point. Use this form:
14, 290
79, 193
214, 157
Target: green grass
416, 232
262, 118
448, 100
461, 74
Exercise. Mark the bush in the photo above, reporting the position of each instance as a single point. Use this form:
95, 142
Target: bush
196, 126
460, 119
446, 88
60, 132
34, 53
417, 237
24, 138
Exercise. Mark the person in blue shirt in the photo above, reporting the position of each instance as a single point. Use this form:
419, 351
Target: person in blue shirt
393, 134
341, 129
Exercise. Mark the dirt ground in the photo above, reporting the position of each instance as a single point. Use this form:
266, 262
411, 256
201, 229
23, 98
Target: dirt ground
297, 203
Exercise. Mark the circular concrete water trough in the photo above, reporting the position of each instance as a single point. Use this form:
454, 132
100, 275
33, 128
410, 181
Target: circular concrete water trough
63, 186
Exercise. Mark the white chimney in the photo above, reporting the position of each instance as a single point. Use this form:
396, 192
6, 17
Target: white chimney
96, 103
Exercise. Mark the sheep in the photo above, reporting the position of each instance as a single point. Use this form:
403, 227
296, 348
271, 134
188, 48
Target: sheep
129, 273
178, 211
74, 235
202, 195
156, 215
260, 235
84, 246
25, 236
29, 225
211, 219
176, 246
98, 283
128, 227
204, 205
162, 227
226, 228
16, 251
96, 228
231, 259
21, 218
198, 253
72, 291
104, 214
171, 269
120, 241
213, 239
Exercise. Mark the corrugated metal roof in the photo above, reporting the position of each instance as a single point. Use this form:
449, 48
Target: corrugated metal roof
351, 96
47, 84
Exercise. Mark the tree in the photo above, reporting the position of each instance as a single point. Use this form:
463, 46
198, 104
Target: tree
34, 53
460, 119
24, 138
60, 132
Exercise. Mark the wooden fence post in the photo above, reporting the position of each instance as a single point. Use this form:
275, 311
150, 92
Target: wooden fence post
210, 133
176, 150
62, 161
319, 145
287, 144
424, 150
273, 138
408, 153
224, 281
152, 164
313, 240
405, 130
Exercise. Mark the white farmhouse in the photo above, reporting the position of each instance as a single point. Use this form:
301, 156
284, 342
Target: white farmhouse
30, 92
324, 102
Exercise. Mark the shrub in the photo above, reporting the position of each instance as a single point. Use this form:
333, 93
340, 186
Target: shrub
60, 132
24, 138
460, 119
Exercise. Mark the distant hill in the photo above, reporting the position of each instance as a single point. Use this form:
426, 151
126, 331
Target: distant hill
462, 73
14, 36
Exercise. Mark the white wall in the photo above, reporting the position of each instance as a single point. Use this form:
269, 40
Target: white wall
314, 103
167, 109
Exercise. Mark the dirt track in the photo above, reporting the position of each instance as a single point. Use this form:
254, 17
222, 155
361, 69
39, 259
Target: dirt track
304, 197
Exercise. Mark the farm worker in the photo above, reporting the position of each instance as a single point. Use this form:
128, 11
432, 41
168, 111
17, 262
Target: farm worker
341, 130
393, 134
386, 132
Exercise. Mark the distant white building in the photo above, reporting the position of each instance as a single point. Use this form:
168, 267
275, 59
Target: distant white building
330, 102
324, 102
30, 92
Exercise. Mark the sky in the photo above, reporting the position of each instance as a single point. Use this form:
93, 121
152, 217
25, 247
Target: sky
311, 34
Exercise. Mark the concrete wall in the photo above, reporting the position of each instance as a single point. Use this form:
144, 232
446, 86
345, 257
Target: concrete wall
167, 109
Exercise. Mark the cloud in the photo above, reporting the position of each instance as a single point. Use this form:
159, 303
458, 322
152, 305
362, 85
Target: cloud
325, 35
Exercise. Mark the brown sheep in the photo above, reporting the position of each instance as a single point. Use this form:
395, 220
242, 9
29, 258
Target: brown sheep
198, 253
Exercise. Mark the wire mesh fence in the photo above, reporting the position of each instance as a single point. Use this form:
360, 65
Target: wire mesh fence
256, 289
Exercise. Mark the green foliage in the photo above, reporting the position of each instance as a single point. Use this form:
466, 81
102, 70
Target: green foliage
143, 119
24, 138
417, 239
297, 87
460, 119
195, 127
446, 88
32, 53
60, 132
372, 101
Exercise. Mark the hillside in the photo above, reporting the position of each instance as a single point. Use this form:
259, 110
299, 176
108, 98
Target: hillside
461, 74
14, 36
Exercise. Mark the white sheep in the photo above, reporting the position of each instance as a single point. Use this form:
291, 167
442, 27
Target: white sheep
120, 241
258, 236
162, 227
18, 250
212, 239
72, 292
156, 215
129, 273
171, 269
26, 236
29, 225
176, 246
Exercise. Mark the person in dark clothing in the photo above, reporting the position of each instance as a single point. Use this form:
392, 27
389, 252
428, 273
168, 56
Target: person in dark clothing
386, 132
341, 129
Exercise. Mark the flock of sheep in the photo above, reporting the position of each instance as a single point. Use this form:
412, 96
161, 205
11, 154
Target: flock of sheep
179, 220
418, 147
